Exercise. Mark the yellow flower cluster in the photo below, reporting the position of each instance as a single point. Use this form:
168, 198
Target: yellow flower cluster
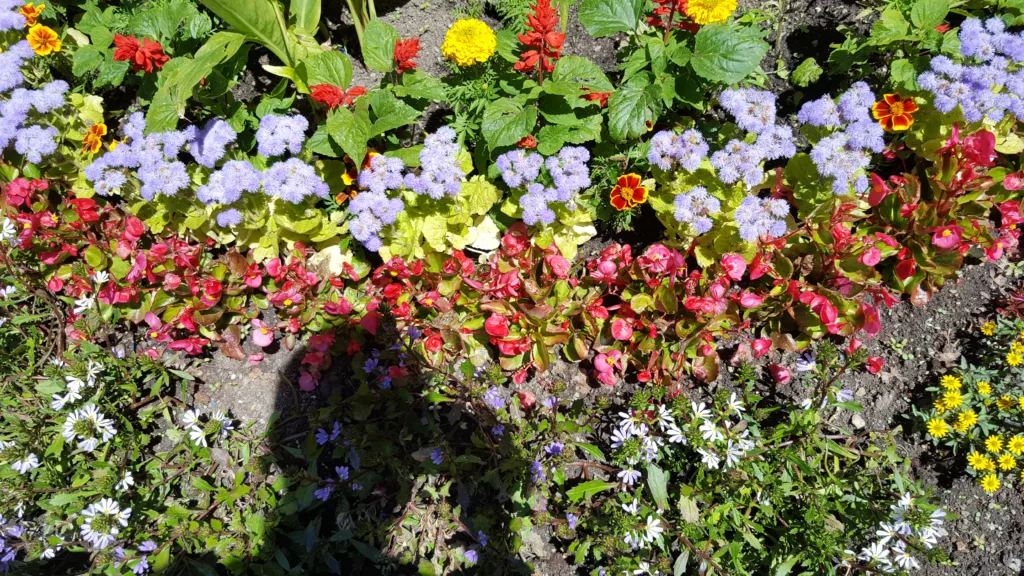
988, 328
1006, 461
469, 41
707, 11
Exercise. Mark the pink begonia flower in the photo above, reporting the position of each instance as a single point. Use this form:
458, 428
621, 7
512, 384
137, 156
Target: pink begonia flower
761, 346
780, 373
750, 300
871, 257
875, 364
872, 321
307, 382
262, 334
947, 237
605, 366
657, 259
255, 359
734, 266
558, 264
621, 330
496, 325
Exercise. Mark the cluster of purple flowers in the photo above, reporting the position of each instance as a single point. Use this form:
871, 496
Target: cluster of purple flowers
141, 564
373, 211
519, 167
227, 184
843, 155
10, 17
758, 217
696, 208
31, 140
688, 149
277, 134
754, 111
293, 180
211, 142
382, 174
440, 169
988, 89
568, 170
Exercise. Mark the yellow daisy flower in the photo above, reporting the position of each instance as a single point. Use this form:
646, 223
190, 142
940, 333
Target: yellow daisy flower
1007, 462
978, 461
952, 399
984, 388
994, 444
707, 11
1020, 402
469, 41
1006, 403
1017, 347
1016, 445
938, 428
967, 418
1013, 359
950, 382
990, 483
988, 328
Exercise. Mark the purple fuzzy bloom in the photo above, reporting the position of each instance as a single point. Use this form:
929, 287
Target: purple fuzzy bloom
821, 112
211, 142
855, 104
227, 184
696, 208
519, 167
135, 128
21, 50
382, 174
535, 207
229, 217
11, 21
51, 97
293, 180
364, 227
776, 142
10, 73
35, 142
277, 134
756, 217
754, 110
739, 160
163, 177
569, 170
688, 149
441, 171
866, 135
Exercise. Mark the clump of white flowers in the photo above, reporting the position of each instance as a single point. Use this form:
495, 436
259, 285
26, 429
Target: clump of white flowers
909, 527
103, 522
201, 428
89, 426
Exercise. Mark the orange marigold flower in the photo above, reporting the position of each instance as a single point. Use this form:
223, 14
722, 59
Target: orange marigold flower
31, 13
894, 113
628, 193
43, 40
93, 140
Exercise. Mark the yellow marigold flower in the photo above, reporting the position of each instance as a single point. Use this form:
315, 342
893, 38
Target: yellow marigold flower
469, 41
1014, 359
31, 13
93, 140
707, 11
938, 428
990, 483
1016, 445
1006, 403
968, 418
43, 40
950, 382
952, 399
1017, 347
994, 444
984, 388
988, 328
1007, 462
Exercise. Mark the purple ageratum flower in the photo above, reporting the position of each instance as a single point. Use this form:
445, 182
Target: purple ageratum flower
739, 160
865, 135
51, 97
135, 128
11, 21
227, 184
35, 142
756, 217
776, 142
229, 217
538, 472
569, 170
109, 181
441, 171
494, 399
519, 167
382, 174
554, 449
21, 50
571, 520
277, 134
436, 456
754, 110
365, 227
855, 104
821, 112
696, 208
175, 140
163, 177
835, 159
688, 149
535, 207
11, 76
293, 180
211, 142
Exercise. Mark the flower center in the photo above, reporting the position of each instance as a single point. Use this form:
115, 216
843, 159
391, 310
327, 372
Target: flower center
288, 302
946, 233
896, 108
101, 523
264, 330
84, 428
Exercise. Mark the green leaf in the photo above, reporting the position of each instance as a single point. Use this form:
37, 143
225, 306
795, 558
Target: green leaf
726, 53
162, 559
591, 449
608, 17
262, 21
112, 73
581, 72
679, 568
328, 67
202, 484
306, 14
657, 481
688, 509
480, 195
807, 73
506, 122
390, 112
903, 73
349, 134
890, 27
787, 566
628, 111
94, 256
420, 85
379, 46
589, 489
928, 14
87, 59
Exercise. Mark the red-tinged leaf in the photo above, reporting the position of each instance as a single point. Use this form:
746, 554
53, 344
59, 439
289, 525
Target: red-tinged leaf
231, 346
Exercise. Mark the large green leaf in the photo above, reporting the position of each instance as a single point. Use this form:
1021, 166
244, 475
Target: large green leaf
306, 14
261, 20
927, 14
628, 112
181, 75
657, 481
726, 53
348, 133
506, 122
420, 85
608, 17
589, 489
581, 72
328, 67
379, 46
390, 112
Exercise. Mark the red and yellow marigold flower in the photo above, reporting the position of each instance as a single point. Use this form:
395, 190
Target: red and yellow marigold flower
93, 140
628, 192
31, 13
43, 40
894, 113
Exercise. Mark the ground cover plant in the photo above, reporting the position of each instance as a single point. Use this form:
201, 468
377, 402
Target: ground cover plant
531, 310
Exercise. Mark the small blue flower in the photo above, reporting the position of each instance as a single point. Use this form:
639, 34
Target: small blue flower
482, 538
436, 456
571, 519
471, 556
